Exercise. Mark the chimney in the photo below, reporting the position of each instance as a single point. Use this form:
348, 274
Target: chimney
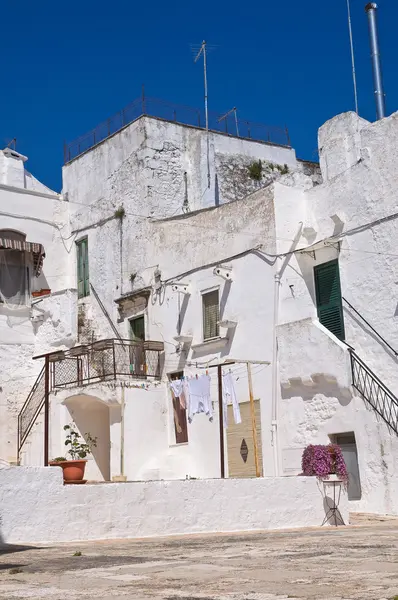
371, 10
12, 170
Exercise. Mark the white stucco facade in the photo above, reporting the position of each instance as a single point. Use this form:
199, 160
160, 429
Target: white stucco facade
142, 201
28, 207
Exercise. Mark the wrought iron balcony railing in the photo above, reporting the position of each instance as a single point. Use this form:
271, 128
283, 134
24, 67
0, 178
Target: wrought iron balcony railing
103, 360
92, 363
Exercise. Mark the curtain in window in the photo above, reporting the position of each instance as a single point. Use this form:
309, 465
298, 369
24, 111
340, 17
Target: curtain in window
14, 290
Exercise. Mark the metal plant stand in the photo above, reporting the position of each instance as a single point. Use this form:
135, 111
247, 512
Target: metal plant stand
332, 504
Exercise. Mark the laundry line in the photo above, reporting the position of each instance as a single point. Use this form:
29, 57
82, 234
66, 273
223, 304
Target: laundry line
219, 366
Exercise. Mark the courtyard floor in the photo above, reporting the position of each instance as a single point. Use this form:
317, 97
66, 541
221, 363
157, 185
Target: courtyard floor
359, 562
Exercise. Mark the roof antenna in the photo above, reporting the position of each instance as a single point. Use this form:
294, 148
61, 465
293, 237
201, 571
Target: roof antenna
233, 110
354, 77
202, 50
13, 144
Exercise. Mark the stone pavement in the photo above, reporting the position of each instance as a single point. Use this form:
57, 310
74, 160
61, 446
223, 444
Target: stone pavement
359, 562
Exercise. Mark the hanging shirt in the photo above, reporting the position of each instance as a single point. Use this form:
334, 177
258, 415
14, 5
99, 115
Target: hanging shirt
199, 397
180, 391
229, 395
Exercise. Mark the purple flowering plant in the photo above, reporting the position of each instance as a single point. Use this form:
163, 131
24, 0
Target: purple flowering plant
323, 461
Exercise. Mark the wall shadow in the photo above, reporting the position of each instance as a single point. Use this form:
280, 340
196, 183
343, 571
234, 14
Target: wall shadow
319, 383
92, 416
182, 312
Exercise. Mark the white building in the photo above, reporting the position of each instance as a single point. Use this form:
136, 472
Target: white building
139, 247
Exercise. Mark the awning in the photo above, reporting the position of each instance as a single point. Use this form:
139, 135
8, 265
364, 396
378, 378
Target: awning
37, 250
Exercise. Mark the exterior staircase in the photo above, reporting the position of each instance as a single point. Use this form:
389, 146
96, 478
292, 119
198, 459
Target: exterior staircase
31, 410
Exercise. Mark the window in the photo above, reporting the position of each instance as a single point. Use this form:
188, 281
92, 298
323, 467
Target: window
83, 285
137, 328
179, 415
211, 315
14, 278
328, 297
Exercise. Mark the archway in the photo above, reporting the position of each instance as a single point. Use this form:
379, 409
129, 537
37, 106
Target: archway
91, 415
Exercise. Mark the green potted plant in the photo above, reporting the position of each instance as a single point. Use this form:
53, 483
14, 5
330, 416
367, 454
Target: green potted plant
73, 469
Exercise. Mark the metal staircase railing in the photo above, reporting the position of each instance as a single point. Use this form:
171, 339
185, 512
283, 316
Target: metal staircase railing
371, 327
31, 410
380, 398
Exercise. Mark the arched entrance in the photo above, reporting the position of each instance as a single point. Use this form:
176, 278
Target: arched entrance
91, 415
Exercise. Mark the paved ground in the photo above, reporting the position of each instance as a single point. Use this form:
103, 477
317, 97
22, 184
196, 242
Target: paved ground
352, 563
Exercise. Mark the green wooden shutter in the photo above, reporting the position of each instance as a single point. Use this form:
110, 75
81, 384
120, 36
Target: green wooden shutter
83, 285
80, 271
86, 271
211, 315
328, 297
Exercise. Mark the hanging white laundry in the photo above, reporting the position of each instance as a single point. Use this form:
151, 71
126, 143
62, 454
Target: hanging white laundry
229, 395
176, 386
179, 389
184, 397
199, 397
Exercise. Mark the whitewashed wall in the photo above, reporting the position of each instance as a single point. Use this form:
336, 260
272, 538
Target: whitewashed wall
144, 164
358, 161
35, 507
43, 216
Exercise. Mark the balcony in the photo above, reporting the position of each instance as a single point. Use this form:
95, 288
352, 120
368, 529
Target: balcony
105, 360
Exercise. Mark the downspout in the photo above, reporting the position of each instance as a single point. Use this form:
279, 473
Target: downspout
122, 405
275, 371
274, 414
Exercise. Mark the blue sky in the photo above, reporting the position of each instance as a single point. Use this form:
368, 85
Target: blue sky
67, 66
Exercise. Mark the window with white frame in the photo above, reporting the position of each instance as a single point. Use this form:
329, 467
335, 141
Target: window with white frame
211, 315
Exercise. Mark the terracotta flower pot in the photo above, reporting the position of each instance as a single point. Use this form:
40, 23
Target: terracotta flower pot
42, 292
73, 470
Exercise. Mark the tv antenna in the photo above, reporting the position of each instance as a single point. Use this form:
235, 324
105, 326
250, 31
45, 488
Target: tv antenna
12, 144
354, 77
233, 110
202, 50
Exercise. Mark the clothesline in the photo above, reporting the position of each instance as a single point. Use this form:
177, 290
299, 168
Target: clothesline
226, 392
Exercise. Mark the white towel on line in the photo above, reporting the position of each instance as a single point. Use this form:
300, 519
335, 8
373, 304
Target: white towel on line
229, 395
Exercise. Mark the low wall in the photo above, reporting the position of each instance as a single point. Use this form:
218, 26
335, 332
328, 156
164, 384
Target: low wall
36, 507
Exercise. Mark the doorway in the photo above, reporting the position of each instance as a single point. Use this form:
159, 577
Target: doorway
240, 442
137, 329
137, 352
348, 446
90, 414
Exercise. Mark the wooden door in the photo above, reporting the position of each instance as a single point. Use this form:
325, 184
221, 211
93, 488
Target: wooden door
240, 442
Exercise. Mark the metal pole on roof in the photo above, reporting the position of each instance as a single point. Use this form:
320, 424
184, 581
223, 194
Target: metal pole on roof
354, 77
203, 51
371, 10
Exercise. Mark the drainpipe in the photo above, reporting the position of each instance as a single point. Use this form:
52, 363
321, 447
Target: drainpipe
122, 477
122, 434
274, 417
